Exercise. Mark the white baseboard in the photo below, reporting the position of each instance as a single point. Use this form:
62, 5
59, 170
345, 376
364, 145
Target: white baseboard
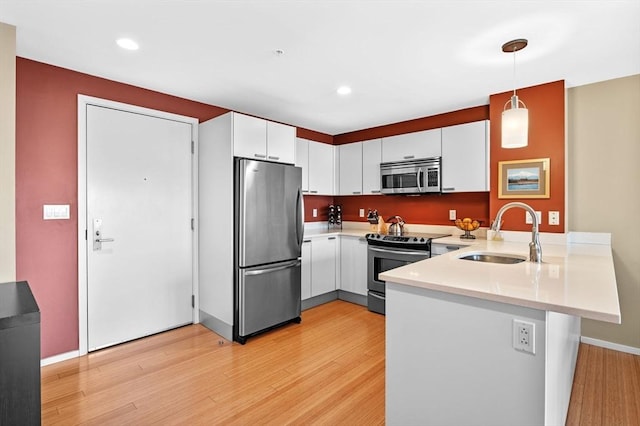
60, 357
609, 345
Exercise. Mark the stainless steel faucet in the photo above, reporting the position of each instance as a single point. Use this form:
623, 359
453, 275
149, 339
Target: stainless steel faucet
535, 251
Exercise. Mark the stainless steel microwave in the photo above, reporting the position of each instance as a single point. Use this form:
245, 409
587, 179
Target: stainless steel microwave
411, 177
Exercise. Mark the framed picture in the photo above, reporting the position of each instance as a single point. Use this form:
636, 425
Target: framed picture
523, 178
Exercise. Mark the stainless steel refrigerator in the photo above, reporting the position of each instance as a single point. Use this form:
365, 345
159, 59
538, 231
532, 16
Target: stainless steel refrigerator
269, 226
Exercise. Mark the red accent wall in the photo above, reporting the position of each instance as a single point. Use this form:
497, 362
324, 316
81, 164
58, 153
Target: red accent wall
319, 202
46, 173
314, 136
423, 209
546, 104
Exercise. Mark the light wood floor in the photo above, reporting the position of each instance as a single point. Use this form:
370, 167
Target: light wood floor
606, 388
328, 370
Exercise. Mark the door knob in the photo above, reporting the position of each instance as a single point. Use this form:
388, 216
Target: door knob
97, 235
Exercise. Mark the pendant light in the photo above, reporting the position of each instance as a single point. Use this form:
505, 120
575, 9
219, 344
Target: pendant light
515, 120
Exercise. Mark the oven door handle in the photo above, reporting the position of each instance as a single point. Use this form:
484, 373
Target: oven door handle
418, 179
376, 296
410, 253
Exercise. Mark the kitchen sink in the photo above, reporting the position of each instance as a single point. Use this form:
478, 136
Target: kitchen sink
507, 259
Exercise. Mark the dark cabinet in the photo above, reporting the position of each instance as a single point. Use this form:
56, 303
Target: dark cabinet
19, 355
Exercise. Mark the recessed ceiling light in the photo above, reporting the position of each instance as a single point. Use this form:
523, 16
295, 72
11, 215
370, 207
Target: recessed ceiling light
344, 90
127, 43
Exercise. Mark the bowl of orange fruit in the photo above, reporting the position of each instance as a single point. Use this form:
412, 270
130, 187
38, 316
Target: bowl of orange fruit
467, 225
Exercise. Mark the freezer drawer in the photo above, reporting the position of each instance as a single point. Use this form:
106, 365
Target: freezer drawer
268, 296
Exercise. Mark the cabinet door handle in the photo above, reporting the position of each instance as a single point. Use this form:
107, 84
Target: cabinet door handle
259, 155
273, 157
331, 238
449, 189
306, 241
356, 192
313, 192
305, 191
375, 191
409, 157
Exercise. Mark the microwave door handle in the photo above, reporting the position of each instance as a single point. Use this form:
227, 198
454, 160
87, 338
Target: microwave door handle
418, 179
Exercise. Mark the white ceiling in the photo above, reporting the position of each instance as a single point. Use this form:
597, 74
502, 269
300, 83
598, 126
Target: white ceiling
403, 59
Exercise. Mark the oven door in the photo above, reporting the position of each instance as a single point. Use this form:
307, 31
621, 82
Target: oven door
382, 259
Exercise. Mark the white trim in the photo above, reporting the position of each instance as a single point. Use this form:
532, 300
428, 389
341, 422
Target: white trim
610, 345
83, 102
59, 358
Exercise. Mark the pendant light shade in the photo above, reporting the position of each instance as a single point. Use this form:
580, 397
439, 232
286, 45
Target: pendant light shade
515, 124
515, 120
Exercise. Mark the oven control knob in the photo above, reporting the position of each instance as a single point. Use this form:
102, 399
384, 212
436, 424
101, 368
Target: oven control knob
378, 236
422, 240
415, 239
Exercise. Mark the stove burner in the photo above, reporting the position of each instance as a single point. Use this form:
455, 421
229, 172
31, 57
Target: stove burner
410, 241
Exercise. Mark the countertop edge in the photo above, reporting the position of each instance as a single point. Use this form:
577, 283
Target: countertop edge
583, 313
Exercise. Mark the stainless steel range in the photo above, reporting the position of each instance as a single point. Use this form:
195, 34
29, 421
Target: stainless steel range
387, 252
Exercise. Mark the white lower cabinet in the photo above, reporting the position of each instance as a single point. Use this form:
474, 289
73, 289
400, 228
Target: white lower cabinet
353, 264
306, 269
319, 265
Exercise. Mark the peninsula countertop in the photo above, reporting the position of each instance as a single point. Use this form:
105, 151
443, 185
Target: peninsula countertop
573, 278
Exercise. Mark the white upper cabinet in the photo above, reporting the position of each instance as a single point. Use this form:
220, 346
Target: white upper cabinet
281, 143
371, 159
302, 161
350, 160
249, 137
465, 157
263, 140
321, 168
412, 146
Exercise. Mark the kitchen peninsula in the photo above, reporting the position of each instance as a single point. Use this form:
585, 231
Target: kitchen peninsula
452, 326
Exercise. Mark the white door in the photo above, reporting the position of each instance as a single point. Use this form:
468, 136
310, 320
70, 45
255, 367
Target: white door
139, 278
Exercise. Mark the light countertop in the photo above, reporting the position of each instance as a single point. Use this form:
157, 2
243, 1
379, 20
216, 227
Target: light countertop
573, 278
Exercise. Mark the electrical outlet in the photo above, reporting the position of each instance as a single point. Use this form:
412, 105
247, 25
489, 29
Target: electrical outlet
528, 220
315, 212
524, 334
361, 212
452, 215
554, 218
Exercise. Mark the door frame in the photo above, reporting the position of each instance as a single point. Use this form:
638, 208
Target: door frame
83, 245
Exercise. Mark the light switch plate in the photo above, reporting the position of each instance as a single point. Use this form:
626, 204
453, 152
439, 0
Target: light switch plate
315, 212
361, 212
554, 218
56, 211
528, 220
452, 215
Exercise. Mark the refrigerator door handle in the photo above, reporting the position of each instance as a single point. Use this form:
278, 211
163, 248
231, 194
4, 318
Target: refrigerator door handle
300, 219
287, 265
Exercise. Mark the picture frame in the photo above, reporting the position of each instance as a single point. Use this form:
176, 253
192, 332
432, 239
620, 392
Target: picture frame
524, 178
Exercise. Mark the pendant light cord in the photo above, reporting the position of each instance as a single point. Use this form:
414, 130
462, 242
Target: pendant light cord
514, 70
